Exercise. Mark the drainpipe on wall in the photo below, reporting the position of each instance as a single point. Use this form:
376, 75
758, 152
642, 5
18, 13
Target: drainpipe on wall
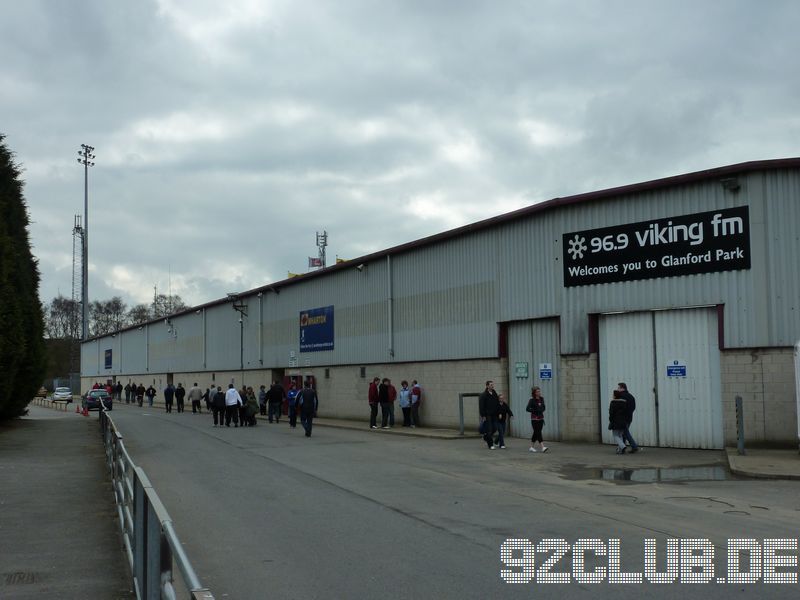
260, 328
147, 348
205, 338
391, 306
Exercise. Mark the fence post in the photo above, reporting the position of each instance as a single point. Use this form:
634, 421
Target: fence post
739, 426
139, 535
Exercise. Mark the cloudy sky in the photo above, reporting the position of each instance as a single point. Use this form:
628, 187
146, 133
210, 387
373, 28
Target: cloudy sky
228, 133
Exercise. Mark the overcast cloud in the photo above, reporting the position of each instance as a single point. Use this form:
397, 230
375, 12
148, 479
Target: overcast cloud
227, 133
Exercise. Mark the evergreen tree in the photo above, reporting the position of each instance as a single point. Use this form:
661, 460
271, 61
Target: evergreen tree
22, 350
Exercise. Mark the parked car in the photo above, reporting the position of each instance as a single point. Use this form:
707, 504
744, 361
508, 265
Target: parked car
62, 394
92, 400
42, 393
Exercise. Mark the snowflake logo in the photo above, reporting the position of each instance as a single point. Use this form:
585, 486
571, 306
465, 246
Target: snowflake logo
577, 247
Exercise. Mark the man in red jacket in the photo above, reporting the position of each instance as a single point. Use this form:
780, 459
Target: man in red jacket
372, 396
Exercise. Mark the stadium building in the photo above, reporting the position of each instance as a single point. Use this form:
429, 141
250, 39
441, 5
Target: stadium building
686, 288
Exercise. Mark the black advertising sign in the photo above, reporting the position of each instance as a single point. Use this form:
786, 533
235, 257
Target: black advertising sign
708, 242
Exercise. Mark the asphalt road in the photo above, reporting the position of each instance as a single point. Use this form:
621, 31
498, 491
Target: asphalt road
265, 512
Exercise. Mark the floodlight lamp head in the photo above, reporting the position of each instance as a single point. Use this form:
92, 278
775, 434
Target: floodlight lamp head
360, 267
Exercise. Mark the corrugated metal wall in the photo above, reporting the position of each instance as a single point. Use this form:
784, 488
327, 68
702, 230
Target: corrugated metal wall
448, 297
534, 343
672, 411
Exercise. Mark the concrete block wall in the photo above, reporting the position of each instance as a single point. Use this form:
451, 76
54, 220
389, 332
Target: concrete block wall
580, 406
765, 379
343, 394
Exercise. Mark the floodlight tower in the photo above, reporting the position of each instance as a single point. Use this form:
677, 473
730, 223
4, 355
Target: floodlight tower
322, 242
86, 158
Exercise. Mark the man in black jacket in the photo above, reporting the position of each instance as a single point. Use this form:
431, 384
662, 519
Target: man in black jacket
275, 397
488, 403
307, 403
630, 404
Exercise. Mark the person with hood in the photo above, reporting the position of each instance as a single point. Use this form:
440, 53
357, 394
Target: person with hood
139, 394
150, 392
536, 408
618, 419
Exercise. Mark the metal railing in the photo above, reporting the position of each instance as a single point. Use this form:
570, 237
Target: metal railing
151, 544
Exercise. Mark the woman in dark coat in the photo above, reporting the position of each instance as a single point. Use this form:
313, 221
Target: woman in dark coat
618, 420
536, 408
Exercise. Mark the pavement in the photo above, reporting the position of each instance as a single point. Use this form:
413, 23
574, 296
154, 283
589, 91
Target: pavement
59, 537
760, 463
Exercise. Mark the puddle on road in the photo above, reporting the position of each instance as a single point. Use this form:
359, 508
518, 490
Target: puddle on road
648, 475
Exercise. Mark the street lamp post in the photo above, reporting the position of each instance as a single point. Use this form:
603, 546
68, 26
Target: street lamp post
86, 158
240, 307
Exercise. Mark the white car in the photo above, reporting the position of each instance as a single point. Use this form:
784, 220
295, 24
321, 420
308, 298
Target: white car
63, 394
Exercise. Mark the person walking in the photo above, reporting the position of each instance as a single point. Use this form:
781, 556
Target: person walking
630, 404
618, 419
128, 390
217, 404
504, 415
195, 396
180, 394
209, 396
251, 408
488, 403
404, 396
275, 398
308, 403
140, 394
233, 400
262, 400
150, 392
169, 394
291, 401
416, 401
536, 408
118, 389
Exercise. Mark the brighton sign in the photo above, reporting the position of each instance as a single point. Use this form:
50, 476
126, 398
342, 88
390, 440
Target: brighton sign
707, 242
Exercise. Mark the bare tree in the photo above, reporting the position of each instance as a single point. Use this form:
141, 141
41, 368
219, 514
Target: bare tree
140, 313
165, 305
62, 318
107, 315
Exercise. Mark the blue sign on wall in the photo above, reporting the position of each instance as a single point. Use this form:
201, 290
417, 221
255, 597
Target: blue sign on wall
109, 359
676, 369
316, 329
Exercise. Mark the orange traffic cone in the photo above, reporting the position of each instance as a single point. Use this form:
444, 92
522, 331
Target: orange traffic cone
85, 412
77, 409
